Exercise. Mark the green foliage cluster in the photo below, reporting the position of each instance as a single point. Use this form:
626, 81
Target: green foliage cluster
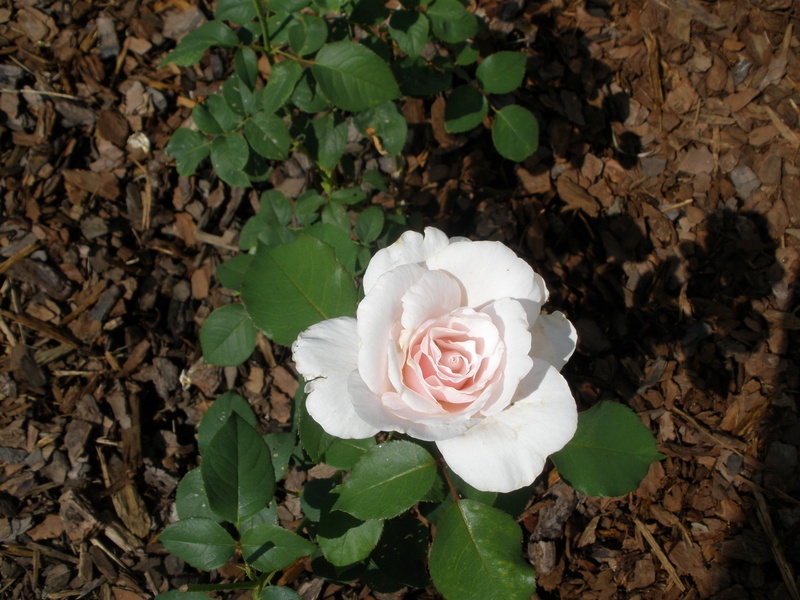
337, 68
291, 277
337, 64
374, 519
392, 515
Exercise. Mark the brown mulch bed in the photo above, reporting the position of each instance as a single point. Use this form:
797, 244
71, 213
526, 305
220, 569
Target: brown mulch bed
663, 209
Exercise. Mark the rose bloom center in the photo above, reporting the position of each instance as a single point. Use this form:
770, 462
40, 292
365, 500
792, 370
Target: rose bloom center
454, 358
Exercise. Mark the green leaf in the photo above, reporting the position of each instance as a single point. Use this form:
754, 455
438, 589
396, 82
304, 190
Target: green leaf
344, 539
290, 287
249, 235
202, 543
205, 121
387, 123
502, 72
376, 179
188, 148
315, 494
307, 34
464, 110
275, 592
281, 446
245, 64
277, 26
515, 133
370, 224
192, 47
307, 96
364, 256
326, 139
417, 78
610, 452
268, 514
229, 154
257, 168
272, 548
268, 135
466, 53
228, 336
231, 272
275, 208
236, 11
237, 471
288, 6
451, 22
270, 225
282, 81
410, 30
214, 116
219, 413
238, 96
344, 454
191, 499
335, 214
307, 206
388, 480
354, 77
350, 195
476, 554
345, 249
250, 33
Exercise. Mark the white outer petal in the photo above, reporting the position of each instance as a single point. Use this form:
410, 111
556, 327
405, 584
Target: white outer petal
410, 248
325, 354
435, 294
374, 410
329, 404
326, 347
507, 451
511, 319
488, 271
554, 339
368, 405
378, 313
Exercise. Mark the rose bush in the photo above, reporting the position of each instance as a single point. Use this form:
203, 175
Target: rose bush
450, 346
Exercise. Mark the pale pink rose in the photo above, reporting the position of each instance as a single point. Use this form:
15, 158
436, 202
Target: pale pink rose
449, 345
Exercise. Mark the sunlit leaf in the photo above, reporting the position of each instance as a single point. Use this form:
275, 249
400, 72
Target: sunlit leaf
477, 554
202, 543
387, 480
237, 471
354, 77
194, 44
228, 336
610, 452
292, 286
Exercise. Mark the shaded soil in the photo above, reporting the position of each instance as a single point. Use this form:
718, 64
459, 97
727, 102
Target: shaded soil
663, 209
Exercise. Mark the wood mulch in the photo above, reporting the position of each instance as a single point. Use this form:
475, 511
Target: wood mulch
663, 209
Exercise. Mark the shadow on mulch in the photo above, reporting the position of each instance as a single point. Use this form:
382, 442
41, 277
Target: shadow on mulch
656, 304
699, 308
700, 299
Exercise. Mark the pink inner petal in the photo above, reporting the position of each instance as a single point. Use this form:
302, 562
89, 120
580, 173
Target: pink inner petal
453, 359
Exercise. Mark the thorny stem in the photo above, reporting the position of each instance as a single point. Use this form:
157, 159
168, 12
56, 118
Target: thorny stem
449, 482
261, 12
